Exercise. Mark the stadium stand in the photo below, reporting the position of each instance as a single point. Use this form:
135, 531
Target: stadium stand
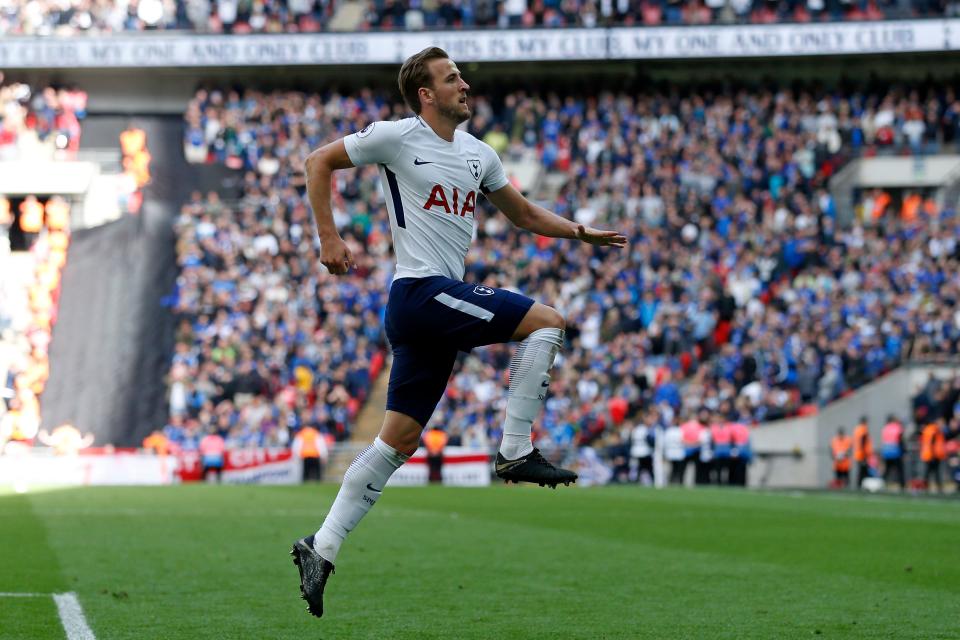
740, 293
39, 124
68, 17
35, 125
18, 420
265, 344
114, 338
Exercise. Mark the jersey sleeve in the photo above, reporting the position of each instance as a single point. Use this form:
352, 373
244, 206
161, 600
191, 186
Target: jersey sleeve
494, 177
377, 143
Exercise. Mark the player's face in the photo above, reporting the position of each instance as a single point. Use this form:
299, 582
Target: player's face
449, 90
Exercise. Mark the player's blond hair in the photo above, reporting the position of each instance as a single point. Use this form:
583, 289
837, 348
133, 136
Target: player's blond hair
415, 74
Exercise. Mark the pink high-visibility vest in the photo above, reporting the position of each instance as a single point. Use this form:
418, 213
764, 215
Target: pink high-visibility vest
212, 445
740, 434
690, 432
721, 434
891, 434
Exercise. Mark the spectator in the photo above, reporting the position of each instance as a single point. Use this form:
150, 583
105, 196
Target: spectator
70, 17
39, 124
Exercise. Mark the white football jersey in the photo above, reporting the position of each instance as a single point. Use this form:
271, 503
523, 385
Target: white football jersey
431, 188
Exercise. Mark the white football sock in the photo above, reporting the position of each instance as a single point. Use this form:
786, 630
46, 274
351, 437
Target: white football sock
362, 485
529, 381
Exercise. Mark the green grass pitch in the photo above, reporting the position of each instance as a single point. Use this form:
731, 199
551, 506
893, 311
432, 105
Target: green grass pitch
196, 562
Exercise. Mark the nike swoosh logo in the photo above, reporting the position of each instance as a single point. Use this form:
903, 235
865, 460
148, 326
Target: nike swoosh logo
370, 486
418, 161
508, 465
545, 384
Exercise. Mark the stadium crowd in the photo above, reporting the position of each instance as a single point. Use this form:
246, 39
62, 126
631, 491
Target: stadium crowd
936, 408
68, 17
39, 124
34, 125
29, 299
739, 294
267, 345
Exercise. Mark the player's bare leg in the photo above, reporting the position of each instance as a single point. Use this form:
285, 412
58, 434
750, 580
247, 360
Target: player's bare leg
401, 432
540, 316
541, 332
362, 486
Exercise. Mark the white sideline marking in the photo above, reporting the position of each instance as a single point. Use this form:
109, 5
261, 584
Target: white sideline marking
71, 615
68, 606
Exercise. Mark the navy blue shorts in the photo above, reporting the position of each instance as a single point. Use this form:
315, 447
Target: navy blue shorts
428, 321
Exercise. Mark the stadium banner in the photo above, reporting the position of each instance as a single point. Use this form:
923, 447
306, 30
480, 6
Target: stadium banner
627, 43
247, 466
462, 467
834, 38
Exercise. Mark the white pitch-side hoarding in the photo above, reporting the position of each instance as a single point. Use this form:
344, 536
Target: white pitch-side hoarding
23, 467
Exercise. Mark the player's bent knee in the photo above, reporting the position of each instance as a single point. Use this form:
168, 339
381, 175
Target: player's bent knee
554, 320
539, 316
400, 431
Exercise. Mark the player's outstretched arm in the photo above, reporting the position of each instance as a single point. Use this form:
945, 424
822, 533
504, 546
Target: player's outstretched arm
535, 218
320, 165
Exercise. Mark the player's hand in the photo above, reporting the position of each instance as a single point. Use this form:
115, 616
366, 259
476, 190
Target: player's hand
336, 256
600, 237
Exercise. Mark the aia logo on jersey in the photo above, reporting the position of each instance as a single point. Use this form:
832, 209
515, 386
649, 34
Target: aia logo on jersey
438, 198
481, 290
367, 130
475, 168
